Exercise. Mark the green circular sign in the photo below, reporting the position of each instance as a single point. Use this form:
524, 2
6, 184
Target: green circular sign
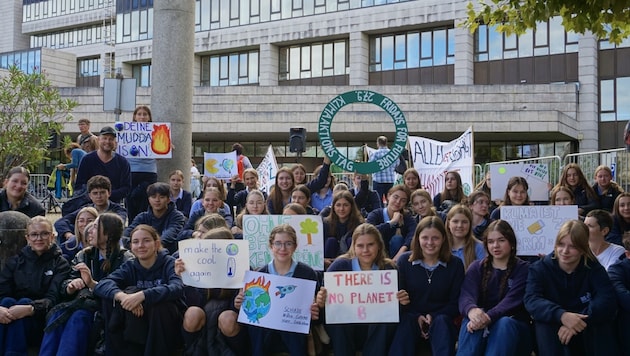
367, 97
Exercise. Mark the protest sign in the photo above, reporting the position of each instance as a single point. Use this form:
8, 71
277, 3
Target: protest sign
310, 238
361, 297
277, 302
214, 263
267, 170
220, 165
143, 139
536, 226
432, 159
536, 175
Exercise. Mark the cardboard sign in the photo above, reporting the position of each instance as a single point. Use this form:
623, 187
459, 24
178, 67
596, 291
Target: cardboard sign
143, 139
220, 165
214, 263
537, 176
433, 159
277, 302
310, 238
536, 226
361, 297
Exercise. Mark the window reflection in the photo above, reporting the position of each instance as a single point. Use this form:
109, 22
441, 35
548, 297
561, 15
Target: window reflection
142, 73
314, 60
614, 98
230, 69
412, 50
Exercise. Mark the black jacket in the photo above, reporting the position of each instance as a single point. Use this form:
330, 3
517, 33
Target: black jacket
27, 275
29, 205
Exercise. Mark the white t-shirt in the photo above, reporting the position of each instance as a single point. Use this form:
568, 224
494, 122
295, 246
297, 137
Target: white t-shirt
610, 255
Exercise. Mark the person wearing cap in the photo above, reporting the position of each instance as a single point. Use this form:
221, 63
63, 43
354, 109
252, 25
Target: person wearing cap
85, 133
104, 161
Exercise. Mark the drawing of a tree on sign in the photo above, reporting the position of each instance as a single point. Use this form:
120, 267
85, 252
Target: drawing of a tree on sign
308, 227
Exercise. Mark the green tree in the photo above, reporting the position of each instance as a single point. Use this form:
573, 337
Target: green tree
308, 227
31, 112
604, 18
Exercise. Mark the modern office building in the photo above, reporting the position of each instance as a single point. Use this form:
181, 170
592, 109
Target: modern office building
264, 66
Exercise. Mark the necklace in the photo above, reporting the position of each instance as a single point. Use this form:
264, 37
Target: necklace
429, 275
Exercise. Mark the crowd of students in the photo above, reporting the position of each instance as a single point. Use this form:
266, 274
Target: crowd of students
92, 283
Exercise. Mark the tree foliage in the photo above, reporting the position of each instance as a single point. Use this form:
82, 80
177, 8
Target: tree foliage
604, 18
31, 112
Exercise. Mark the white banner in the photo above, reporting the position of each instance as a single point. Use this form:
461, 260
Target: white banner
220, 165
432, 159
536, 226
310, 238
361, 297
267, 170
143, 139
214, 263
277, 302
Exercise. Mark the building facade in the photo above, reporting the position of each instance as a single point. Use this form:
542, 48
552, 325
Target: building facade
264, 66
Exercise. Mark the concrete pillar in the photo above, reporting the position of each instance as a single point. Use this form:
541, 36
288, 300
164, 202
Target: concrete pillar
359, 58
172, 82
588, 107
268, 63
464, 56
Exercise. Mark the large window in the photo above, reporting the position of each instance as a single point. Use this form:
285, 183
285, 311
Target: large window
88, 72
548, 38
239, 68
29, 61
37, 9
314, 60
71, 38
412, 49
134, 23
614, 99
142, 73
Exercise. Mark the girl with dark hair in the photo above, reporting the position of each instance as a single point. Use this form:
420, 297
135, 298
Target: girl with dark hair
585, 197
323, 196
143, 172
453, 192
367, 252
432, 277
479, 203
69, 326
147, 296
15, 195
491, 301
318, 181
280, 194
339, 225
515, 194
460, 236
302, 195
605, 188
30, 283
571, 299
621, 219
394, 222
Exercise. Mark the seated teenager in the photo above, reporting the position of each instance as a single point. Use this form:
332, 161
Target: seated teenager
78, 241
599, 223
69, 329
339, 226
99, 190
239, 198
161, 215
214, 183
491, 300
147, 297
255, 205
478, 203
30, 283
571, 299
367, 200
212, 199
179, 196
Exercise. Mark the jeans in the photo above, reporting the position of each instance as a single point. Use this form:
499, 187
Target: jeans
506, 336
71, 338
17, 335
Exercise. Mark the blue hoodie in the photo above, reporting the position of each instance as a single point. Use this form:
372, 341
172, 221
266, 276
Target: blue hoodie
160, 283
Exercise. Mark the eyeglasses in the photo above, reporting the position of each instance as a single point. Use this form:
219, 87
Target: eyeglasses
33, 236
287, 245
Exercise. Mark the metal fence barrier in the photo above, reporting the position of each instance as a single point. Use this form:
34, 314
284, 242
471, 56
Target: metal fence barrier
618, 160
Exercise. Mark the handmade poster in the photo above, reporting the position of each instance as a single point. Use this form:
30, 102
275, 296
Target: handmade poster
214, 263
220, 165
536, 174
277, 302
433, 159
267, 170
310, 238
536, 226
361, 297
143, 139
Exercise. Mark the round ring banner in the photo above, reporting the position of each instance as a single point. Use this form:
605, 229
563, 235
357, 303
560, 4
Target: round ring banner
367, 97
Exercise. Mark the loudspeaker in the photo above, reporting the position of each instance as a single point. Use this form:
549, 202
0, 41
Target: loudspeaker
297, 139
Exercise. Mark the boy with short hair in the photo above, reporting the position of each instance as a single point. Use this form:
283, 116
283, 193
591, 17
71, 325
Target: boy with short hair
99, 190
162, 215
